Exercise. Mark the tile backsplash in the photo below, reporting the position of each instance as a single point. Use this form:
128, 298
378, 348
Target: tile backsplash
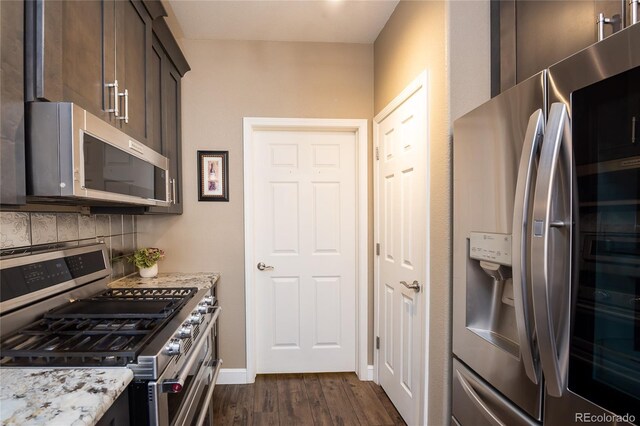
22, 232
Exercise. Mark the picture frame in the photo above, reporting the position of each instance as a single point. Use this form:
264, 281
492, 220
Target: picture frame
213, 175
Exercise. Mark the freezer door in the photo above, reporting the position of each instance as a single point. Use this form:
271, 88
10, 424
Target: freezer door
475, 403
493, 158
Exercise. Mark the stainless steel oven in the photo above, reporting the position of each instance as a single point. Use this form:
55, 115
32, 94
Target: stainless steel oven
182, 393
56, 311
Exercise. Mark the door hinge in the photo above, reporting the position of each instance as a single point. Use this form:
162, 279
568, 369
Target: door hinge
377, 342
377, 249
377, 153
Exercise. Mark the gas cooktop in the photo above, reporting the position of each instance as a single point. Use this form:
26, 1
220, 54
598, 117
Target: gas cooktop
107, 329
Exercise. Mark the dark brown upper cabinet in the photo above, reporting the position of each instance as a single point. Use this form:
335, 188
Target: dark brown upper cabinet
167, 66
95, 54
12, 148
531, 35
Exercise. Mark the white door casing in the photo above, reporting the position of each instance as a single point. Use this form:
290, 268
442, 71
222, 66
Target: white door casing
304, 217
402, 227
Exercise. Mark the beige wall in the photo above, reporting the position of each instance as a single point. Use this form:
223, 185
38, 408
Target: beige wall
230, 80
449, 40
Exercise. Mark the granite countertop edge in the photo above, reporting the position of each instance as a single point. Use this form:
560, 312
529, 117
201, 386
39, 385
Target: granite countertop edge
59, 396
169, 279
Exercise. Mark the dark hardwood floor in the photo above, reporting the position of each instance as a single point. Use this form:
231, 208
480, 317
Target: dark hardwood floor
304, 399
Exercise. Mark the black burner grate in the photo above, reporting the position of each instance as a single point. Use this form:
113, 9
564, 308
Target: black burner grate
109, 329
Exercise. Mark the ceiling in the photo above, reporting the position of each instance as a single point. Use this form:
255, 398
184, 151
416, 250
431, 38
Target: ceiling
337, 21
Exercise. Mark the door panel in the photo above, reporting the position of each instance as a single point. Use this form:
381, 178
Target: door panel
82, 47
487, 148
401, 206
133, 28
305, 221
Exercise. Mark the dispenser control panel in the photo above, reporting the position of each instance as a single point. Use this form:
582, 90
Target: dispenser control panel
491, 247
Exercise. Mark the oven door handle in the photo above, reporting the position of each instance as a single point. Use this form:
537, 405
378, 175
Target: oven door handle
169, 385
207, 398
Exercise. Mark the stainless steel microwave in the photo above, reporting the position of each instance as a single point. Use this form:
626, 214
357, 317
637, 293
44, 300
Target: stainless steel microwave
76, 157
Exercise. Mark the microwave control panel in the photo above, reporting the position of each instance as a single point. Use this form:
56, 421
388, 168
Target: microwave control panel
490, 247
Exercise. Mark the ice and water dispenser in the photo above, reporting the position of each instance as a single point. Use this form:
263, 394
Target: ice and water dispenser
490, 311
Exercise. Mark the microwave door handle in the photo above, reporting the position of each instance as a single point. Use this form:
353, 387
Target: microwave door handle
548, 273
521, 221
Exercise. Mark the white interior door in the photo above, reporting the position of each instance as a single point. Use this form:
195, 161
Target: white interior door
402, 233
305, 235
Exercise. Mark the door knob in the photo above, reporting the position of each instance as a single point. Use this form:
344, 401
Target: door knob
413, 286
263, 267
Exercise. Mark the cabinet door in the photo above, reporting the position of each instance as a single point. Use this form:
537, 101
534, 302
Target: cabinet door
133, 52
82, 55
164, 82
156, 65
68, 56
172, 130
549, 31
12, 165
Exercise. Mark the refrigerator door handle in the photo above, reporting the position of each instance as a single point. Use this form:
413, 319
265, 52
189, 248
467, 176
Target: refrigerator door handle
553, 339
477, 401
520, 238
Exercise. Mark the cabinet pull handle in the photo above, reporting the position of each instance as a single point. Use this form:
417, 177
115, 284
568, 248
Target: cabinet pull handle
615, 22
173, 191
125, 94
114, 86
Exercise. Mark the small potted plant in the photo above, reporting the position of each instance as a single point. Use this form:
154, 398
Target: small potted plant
146, 259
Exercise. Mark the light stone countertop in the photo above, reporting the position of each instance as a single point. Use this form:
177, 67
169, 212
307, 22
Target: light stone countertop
169, 279
64, 397
70, 397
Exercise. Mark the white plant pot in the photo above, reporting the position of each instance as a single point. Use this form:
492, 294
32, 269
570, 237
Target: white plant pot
149, 272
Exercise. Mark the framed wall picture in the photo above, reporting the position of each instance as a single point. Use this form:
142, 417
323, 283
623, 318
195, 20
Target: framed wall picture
213, 172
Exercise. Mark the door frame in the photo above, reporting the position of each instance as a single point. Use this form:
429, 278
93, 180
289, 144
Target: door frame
359, 128
420, 82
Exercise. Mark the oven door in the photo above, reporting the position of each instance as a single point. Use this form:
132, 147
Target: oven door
183, 398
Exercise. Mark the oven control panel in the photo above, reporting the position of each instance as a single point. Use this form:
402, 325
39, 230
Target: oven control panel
30, 277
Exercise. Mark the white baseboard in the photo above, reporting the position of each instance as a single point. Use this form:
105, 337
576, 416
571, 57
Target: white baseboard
238, 376
370, 372
232, 376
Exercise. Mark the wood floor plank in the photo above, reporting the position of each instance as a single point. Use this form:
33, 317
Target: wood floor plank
365, 402
266, 418
311, 399
319, 409
387, 404
219, 394
293, 403
244, 409
226, 412
266, 394
342, 412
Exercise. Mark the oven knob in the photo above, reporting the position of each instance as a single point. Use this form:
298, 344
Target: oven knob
185, 331
174, 347
203, 308
195, 318
209, 300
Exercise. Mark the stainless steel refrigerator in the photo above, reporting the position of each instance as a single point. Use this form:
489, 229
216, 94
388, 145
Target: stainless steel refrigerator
546, 296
